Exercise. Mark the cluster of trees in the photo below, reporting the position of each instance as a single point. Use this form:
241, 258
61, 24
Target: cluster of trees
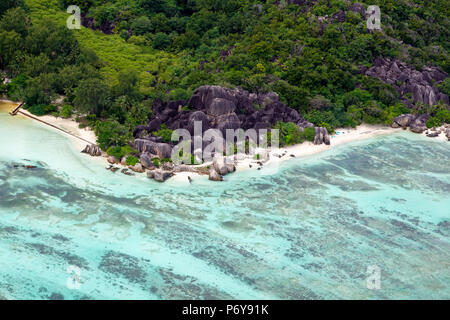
167, 24
291, 134
45, 61
312, 63
439, 114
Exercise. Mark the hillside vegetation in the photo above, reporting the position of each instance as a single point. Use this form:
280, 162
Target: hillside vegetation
135, 52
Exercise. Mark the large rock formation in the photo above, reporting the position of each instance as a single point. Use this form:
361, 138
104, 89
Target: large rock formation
417, 124
159, 175
413, 86
137, 168
223, 166
162, 150
403, 121
146, 161
216, 108
215, 176
222, 108
322, 136
92, 150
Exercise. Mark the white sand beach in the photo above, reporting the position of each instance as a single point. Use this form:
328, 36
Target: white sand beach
70, 126
343, 135
80, 137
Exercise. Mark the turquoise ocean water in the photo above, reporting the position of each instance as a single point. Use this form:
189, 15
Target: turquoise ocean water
310, 231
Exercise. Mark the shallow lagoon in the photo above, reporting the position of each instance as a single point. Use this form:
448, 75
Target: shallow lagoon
308, 231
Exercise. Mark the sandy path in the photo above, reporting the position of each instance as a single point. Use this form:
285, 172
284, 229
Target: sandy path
67, 125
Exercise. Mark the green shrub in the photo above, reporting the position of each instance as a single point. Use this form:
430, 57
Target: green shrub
111, 133
161, 41
164, 133
132, 161
66, 111
325, 125
179, 94
445, 86
290, 133
434, 122
440, 115
115, 152
193, 160
354, 116
156, 162
121, 151
16, 86
42, 109
393, 112
309, 134
3, 88
137, 40
443, 115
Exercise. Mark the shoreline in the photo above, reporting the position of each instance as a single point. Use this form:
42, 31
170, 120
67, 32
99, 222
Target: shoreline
81, 137
304, 149
69, 127
280, 155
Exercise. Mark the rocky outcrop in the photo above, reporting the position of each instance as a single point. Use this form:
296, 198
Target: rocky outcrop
220, 167
162, 150
106, 27
340, 15
137, 168
139, 130
198, 116
417, 124
146, 161
113, 160
358, 8
403, 121
216, 108
224, 165
184, 168
222, 108
214, 175
161, 175
322, 136
412, 85
92, 150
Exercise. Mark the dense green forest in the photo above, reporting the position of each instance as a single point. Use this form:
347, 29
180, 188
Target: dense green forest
134, 52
